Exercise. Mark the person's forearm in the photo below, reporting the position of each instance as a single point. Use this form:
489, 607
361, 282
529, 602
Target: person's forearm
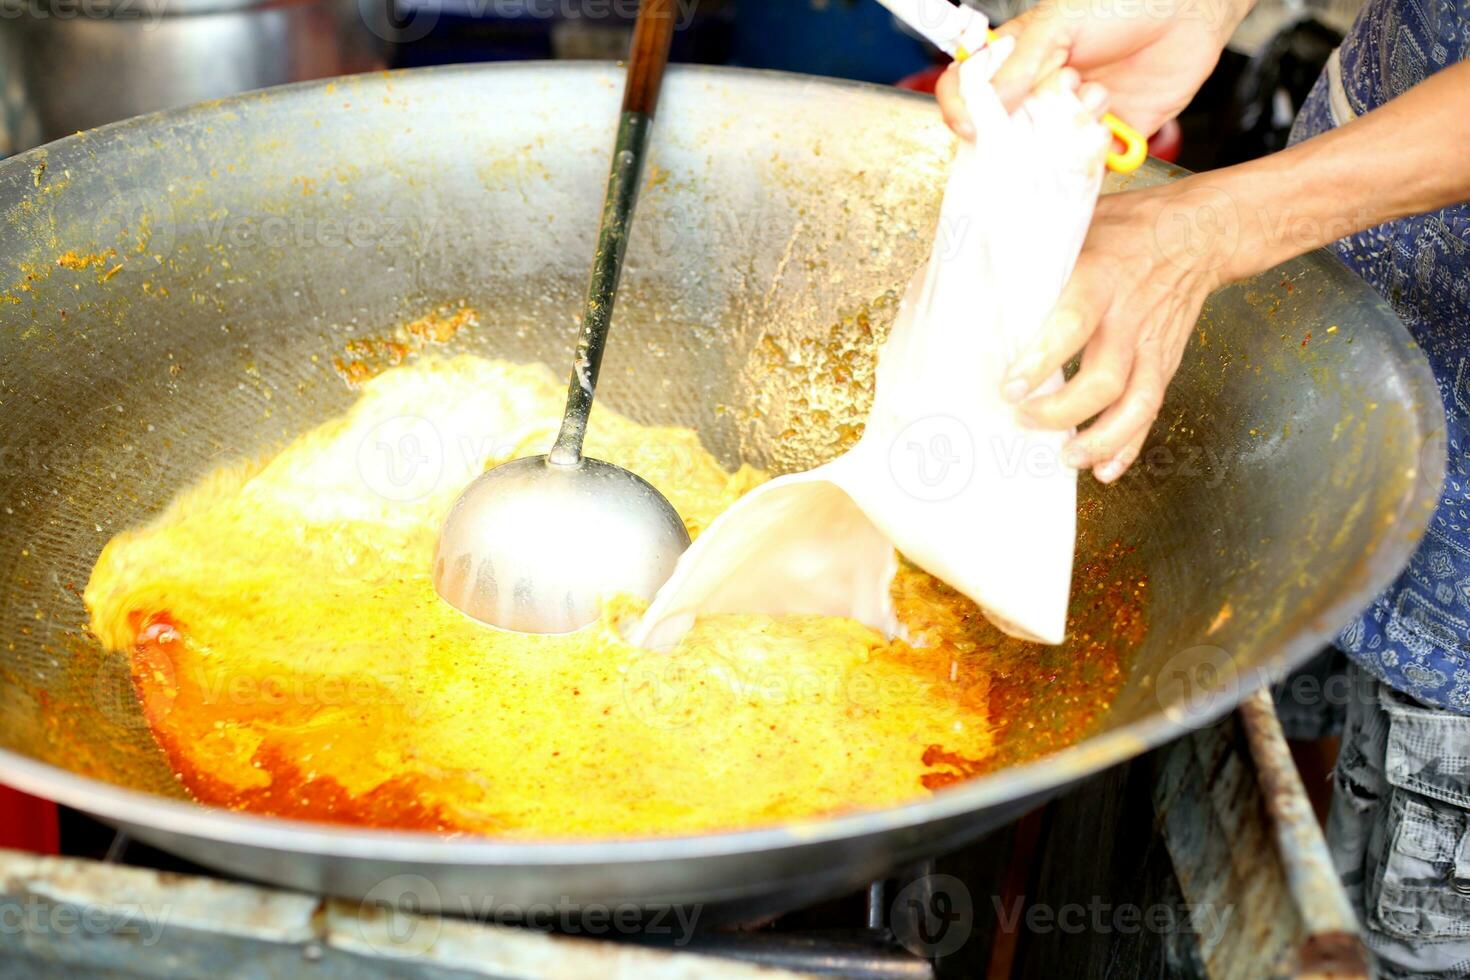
1407, 157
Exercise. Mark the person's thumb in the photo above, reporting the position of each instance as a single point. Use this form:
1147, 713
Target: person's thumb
1043, 45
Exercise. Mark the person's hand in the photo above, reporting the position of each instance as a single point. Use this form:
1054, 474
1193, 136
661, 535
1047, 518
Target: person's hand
1150, 259
1150, 57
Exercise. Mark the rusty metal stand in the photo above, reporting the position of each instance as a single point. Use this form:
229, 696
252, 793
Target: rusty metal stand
1333, 946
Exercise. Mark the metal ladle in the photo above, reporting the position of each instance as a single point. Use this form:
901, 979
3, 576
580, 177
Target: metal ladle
536, 544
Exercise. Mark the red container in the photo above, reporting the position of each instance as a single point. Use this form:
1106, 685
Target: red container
28, 823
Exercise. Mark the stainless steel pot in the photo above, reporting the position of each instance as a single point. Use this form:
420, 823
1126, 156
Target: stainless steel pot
1290, 476
69, 65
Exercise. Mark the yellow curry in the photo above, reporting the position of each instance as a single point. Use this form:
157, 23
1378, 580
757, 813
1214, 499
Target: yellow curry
292, 657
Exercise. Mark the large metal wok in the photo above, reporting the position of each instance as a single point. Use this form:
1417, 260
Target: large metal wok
1288, 481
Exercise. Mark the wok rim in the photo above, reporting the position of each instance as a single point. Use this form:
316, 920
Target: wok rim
206, 822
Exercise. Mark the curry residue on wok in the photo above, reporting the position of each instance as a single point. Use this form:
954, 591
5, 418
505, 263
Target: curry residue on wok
292, 658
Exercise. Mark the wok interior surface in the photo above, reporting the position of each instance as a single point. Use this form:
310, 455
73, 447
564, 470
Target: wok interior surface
177, 289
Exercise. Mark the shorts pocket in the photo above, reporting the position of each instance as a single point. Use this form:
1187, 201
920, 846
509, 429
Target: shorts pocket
1415, 891
1428, 750
1419, 864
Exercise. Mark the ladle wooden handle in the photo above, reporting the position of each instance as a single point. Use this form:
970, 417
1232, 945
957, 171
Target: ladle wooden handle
647, 58
648, 55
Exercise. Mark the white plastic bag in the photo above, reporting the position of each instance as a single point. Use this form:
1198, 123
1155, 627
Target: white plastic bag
944, 470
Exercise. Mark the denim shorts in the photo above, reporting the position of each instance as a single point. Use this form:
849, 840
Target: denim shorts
1399, 829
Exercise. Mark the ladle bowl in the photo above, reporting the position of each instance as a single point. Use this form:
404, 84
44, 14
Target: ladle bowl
539, 545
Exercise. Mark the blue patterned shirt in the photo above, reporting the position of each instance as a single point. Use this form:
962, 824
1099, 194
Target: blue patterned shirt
1416, 635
